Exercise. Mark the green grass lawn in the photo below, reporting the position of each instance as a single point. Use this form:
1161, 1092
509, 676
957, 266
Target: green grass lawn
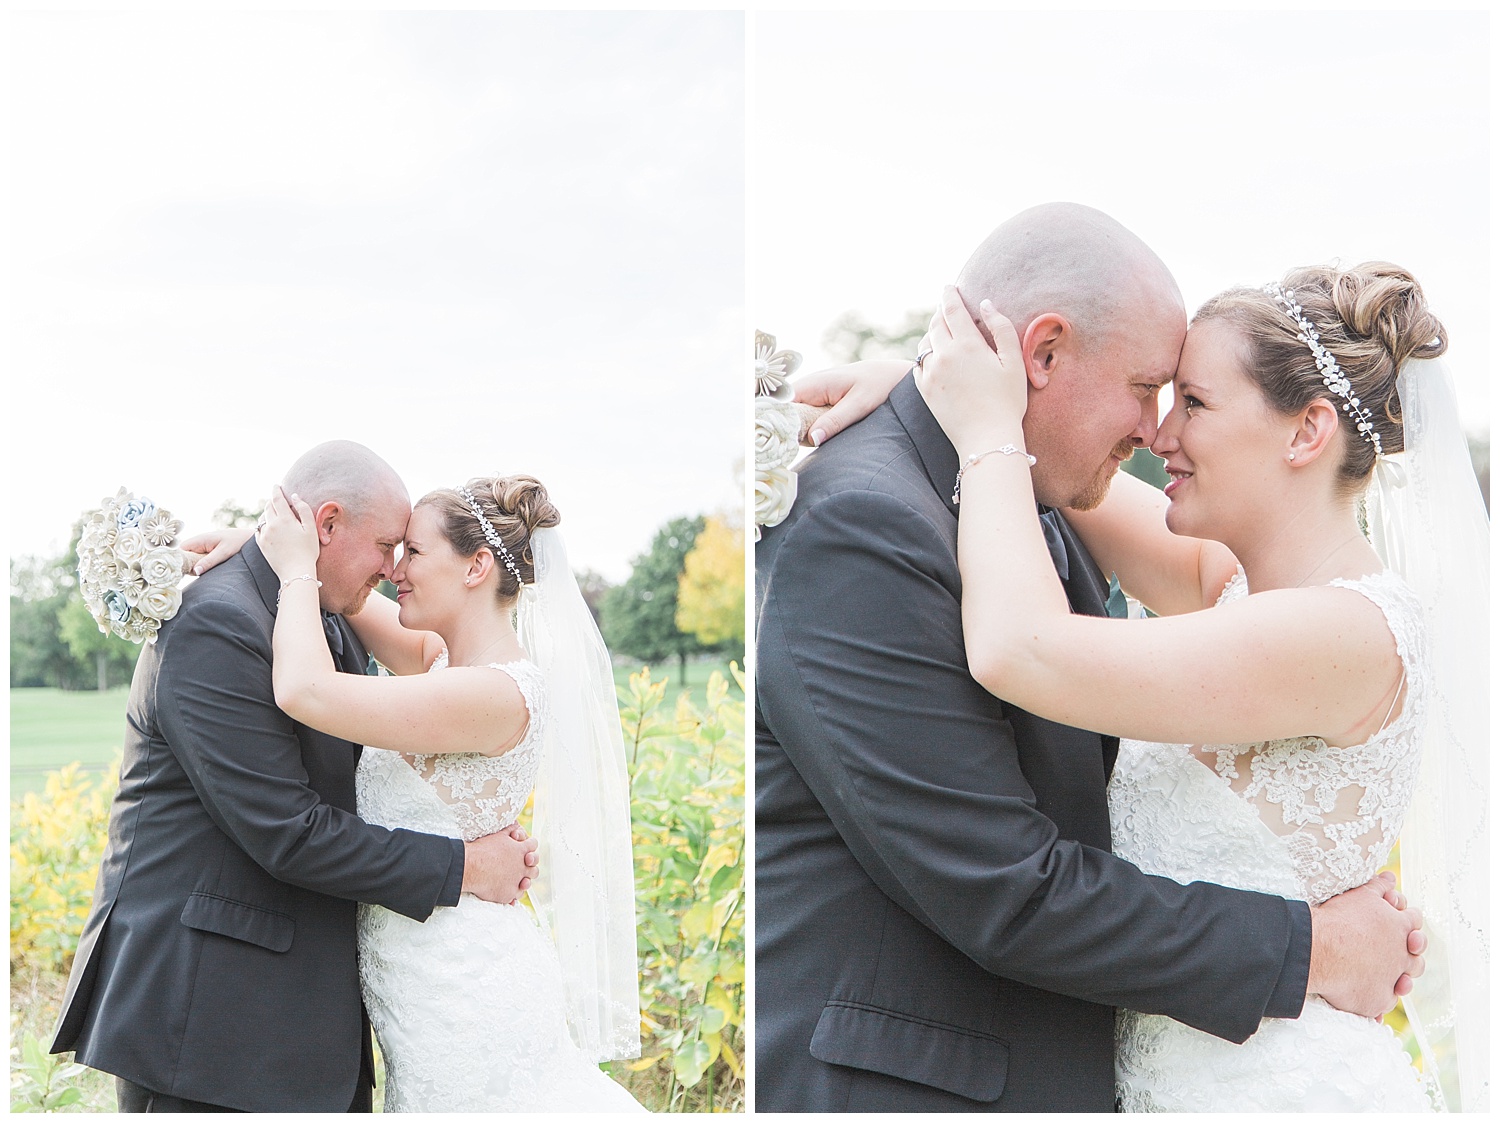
50, 728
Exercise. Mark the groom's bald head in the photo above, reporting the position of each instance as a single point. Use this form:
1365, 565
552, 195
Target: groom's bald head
346, 473
1071, 260
360, 507
1101, 324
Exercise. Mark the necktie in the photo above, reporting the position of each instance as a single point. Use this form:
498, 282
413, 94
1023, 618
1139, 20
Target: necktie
1052, 532
335, 635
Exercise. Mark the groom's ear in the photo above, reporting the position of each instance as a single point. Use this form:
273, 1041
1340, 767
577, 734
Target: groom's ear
324, 517
1042, 345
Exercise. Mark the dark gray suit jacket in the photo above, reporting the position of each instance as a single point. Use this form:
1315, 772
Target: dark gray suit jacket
218, 961
939, 923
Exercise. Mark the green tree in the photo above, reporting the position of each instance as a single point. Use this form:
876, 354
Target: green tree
852, 337
112, 658
232, 513
594, 587
39, 656
640, 616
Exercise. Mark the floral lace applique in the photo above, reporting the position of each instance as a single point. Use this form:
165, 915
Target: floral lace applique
1338, 809
484, 792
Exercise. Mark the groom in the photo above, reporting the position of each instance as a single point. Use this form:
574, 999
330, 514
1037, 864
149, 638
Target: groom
940, 925
216, 970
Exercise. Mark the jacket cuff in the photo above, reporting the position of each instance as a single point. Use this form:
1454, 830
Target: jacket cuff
1291, 988
453, 884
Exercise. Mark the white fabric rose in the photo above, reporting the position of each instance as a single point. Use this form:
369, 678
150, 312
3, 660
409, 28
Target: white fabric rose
775, 491
130, 545
160, 603
777, 426
162, 566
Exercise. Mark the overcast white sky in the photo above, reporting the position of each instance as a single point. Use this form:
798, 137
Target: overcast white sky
473, 241
885, 146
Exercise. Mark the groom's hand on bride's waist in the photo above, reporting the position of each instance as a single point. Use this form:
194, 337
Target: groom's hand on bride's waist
1367, 947
499, 867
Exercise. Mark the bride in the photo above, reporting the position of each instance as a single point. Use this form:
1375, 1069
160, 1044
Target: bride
1277, 742
481, 1008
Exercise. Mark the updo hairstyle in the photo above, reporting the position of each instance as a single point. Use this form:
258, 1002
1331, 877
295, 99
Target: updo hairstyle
1371, 318
516, 506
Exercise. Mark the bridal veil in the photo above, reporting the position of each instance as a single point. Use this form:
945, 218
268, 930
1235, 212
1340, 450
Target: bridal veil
1428, 523
585, 895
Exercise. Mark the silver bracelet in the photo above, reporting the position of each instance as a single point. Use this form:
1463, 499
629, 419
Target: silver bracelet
290, 580
1003, 450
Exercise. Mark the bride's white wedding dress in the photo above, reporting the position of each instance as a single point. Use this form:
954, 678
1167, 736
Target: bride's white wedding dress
1299, 819
468, 1005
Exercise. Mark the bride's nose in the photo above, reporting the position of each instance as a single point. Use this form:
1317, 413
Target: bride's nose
1165, 441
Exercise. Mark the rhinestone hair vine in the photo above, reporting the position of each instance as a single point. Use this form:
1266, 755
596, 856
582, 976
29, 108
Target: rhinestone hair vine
491, 535
1334, 378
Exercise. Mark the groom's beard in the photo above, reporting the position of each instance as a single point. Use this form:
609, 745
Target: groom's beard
1096, 489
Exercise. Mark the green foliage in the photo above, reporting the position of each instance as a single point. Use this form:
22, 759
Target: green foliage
234, 514
39, 656
56, 841
640, 616
112, 657
688, 804
1146, 465
851, 337
41, 1081
594, 587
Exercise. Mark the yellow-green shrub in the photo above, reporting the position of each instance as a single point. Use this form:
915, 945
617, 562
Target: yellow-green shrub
688, 806
56, 841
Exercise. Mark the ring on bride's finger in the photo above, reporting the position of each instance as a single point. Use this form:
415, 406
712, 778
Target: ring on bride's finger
261, 525
922, 356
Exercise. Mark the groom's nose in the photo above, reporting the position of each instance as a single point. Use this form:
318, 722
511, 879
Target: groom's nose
1145, 433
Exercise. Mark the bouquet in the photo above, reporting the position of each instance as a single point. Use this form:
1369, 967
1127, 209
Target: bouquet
777, 430
129, 567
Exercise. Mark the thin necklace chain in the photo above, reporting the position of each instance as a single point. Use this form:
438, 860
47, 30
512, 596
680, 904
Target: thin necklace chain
1324, 560
481, 651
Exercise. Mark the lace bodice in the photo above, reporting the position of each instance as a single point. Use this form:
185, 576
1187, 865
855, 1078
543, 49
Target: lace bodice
1337, 810
476, 794
1297, 818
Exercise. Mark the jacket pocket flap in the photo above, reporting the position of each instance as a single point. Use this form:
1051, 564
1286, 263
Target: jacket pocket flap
237, 920
956, 1060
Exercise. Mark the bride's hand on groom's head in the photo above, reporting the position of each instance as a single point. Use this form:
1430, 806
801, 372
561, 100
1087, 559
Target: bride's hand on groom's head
288, 535
976, 392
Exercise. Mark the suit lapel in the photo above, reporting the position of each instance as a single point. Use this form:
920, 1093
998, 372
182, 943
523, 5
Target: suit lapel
354, 660
1085, 586
939, 458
